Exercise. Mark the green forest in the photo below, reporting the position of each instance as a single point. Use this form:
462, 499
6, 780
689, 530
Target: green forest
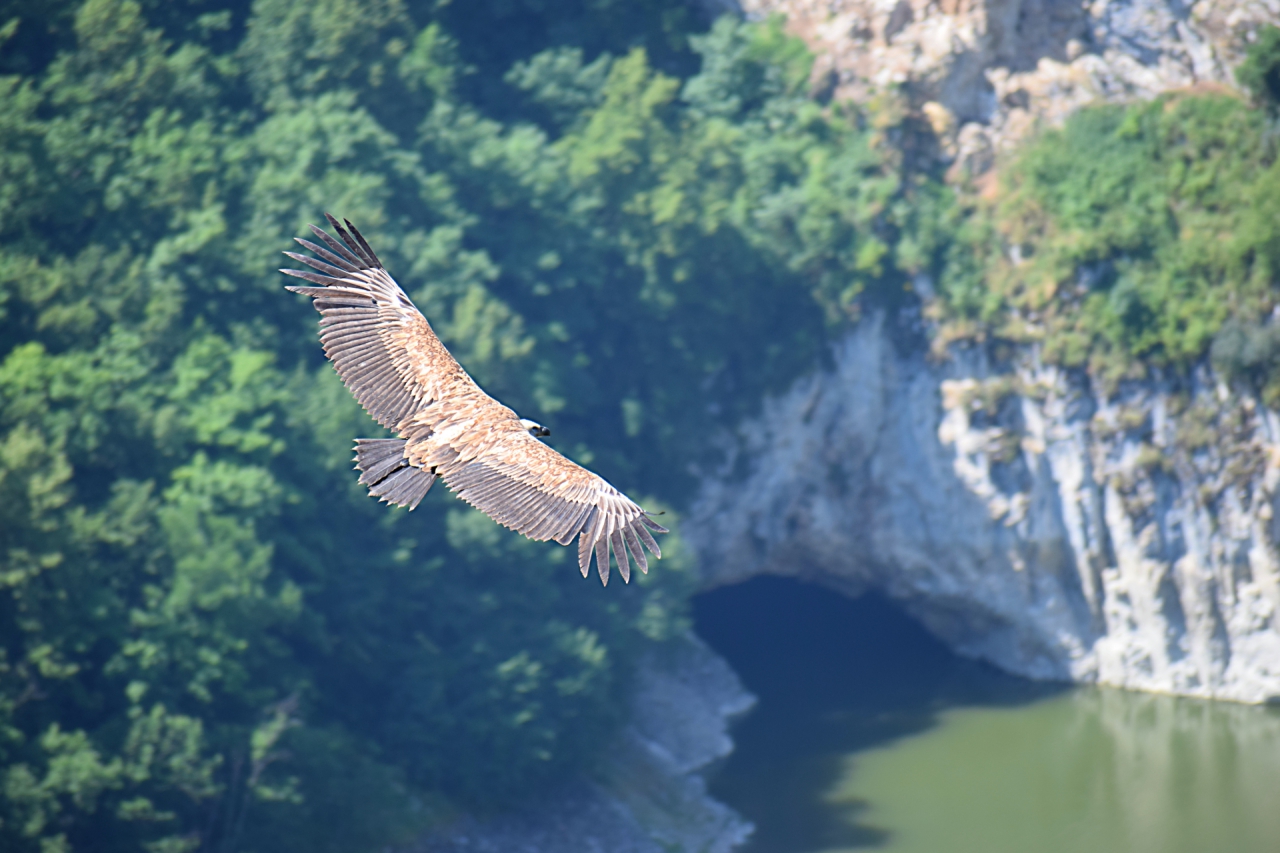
628, 222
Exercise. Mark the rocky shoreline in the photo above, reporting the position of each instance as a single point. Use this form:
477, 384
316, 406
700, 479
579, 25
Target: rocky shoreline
649, 795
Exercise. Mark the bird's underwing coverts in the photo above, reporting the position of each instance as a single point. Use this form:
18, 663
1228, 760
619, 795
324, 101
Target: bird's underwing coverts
387, 354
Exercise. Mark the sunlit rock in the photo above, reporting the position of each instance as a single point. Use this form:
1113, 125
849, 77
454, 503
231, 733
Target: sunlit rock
1000, 67
1020, 514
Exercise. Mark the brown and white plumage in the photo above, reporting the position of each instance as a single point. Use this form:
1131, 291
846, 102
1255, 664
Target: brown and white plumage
387, 354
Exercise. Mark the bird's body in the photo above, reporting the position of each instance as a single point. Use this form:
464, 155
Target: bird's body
449, 428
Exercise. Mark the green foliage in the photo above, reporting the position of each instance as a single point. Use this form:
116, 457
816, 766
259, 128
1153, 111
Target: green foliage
210, 637
1260, 71
1128, 238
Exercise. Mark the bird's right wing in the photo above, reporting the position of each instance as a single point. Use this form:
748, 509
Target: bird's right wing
382, 346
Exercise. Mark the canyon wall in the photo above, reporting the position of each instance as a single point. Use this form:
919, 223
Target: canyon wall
1023, 517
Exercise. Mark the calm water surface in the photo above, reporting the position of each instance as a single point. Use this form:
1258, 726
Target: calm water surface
870, 735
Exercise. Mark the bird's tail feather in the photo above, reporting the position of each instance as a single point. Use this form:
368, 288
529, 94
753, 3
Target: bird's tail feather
388, 474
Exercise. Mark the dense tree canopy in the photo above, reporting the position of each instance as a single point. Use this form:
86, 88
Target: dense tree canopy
210, 638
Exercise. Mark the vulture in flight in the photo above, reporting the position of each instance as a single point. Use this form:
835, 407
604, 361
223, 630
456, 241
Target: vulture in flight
391, 360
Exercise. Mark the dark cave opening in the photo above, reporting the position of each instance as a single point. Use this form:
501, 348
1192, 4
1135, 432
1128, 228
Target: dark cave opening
833, 675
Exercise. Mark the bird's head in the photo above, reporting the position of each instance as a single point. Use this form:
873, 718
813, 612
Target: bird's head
535, 429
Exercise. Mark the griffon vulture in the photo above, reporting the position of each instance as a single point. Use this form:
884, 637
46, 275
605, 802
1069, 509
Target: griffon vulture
391, 360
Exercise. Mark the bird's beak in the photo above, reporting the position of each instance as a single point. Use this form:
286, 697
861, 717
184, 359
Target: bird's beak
543, 432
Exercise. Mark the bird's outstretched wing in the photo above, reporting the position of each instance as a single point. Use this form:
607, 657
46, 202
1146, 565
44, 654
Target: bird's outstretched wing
381, 345
387, 354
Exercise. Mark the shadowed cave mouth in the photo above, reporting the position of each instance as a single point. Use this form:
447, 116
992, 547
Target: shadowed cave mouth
834, 675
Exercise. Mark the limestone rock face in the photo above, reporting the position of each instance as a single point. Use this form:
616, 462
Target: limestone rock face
1022, 517
984, 72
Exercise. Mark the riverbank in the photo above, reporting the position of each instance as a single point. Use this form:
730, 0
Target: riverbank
648, 794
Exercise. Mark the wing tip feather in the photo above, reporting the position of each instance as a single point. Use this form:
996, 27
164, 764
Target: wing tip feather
652, 525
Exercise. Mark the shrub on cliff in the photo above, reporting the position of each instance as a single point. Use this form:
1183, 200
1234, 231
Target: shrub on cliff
1127, 238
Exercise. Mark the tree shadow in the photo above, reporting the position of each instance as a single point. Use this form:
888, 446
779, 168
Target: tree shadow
834, 676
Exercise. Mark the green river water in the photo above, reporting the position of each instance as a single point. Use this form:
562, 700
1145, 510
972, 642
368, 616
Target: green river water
869, 735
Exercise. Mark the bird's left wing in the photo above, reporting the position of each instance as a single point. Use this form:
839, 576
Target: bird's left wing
527, 486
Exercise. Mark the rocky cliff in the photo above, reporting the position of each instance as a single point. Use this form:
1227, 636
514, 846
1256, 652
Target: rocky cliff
1022, 516
985, 72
